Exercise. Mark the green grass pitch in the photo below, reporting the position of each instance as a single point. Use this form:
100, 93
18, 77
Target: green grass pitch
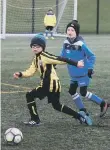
57, 131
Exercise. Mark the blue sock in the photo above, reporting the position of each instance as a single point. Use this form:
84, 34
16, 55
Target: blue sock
78, 101
94, 98
51, 33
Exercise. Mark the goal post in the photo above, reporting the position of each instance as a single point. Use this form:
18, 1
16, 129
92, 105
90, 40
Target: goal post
25, 18
64, 10
60, 14
3, 19
75, 10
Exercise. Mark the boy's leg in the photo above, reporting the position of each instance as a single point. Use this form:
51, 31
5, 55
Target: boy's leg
30, 97
51, 32
46, 32
54, 99
76, 97
94, 98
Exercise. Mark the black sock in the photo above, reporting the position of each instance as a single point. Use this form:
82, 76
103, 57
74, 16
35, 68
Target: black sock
102, 104
70, 112
83, 109
33, 111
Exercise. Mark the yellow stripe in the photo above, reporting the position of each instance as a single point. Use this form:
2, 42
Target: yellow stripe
51, 85
17, 86
6, 92
56, 86
31, 102
49, 56
59, 86
62, 108
38, 87
33, 110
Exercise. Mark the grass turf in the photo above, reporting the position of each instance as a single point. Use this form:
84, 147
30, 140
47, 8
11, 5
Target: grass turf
58, 131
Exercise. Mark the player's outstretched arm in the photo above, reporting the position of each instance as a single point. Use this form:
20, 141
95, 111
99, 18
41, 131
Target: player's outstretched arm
52, 59
78, 64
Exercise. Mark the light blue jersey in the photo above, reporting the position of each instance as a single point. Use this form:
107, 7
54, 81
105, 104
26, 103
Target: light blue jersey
77, 50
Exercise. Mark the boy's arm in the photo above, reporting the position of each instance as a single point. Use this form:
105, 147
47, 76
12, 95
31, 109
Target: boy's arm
91, 60
69, 61
52, 59
45, 20
63, 53
79, 64
29, 72
90, 56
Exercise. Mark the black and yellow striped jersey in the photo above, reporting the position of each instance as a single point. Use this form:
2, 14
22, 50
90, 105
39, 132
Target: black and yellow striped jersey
44, 64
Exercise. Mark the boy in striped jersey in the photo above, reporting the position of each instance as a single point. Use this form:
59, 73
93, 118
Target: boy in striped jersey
49, 87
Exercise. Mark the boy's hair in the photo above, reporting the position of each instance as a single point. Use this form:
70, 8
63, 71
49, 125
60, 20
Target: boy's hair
74, 24
50, 9
40, 40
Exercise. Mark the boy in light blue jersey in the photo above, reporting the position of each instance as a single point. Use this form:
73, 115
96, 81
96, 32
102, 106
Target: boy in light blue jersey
75, 48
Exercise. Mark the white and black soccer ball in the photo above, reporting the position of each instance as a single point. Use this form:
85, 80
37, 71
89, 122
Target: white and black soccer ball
13, 136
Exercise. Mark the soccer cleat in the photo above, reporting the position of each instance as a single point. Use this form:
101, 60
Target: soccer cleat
32, 123
103, 106
46, 38
52, 38
84, 109
85, 118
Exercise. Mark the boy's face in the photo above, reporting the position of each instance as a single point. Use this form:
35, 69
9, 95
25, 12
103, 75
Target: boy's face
50, 12
36, 49
71, 33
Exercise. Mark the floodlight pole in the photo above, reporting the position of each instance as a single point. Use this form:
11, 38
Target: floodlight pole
75, 9
57, 2
57, 11
97, 21
33, 15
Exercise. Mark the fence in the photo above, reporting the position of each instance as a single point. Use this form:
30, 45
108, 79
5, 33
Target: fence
28, 15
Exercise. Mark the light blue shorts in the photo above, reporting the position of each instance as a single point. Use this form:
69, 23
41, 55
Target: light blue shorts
82, 81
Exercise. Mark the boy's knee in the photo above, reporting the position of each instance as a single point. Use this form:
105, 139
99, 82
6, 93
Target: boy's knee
57, 106
83, 91
71, 92
29, 97
73, 88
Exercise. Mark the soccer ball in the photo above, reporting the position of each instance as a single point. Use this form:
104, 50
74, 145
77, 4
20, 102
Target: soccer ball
13, 136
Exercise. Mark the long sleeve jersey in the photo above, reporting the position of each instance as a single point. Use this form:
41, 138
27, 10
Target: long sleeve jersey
44, 64
77, 50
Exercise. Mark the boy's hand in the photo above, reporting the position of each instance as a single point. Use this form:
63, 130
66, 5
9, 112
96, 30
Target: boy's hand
80, 64
90, 73
16, 75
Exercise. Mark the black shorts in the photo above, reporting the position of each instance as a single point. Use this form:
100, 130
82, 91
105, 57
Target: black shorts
50, 28
50, 89
41, 93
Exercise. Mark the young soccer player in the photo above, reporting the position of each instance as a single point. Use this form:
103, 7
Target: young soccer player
49, 87
75, 48
49, 22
